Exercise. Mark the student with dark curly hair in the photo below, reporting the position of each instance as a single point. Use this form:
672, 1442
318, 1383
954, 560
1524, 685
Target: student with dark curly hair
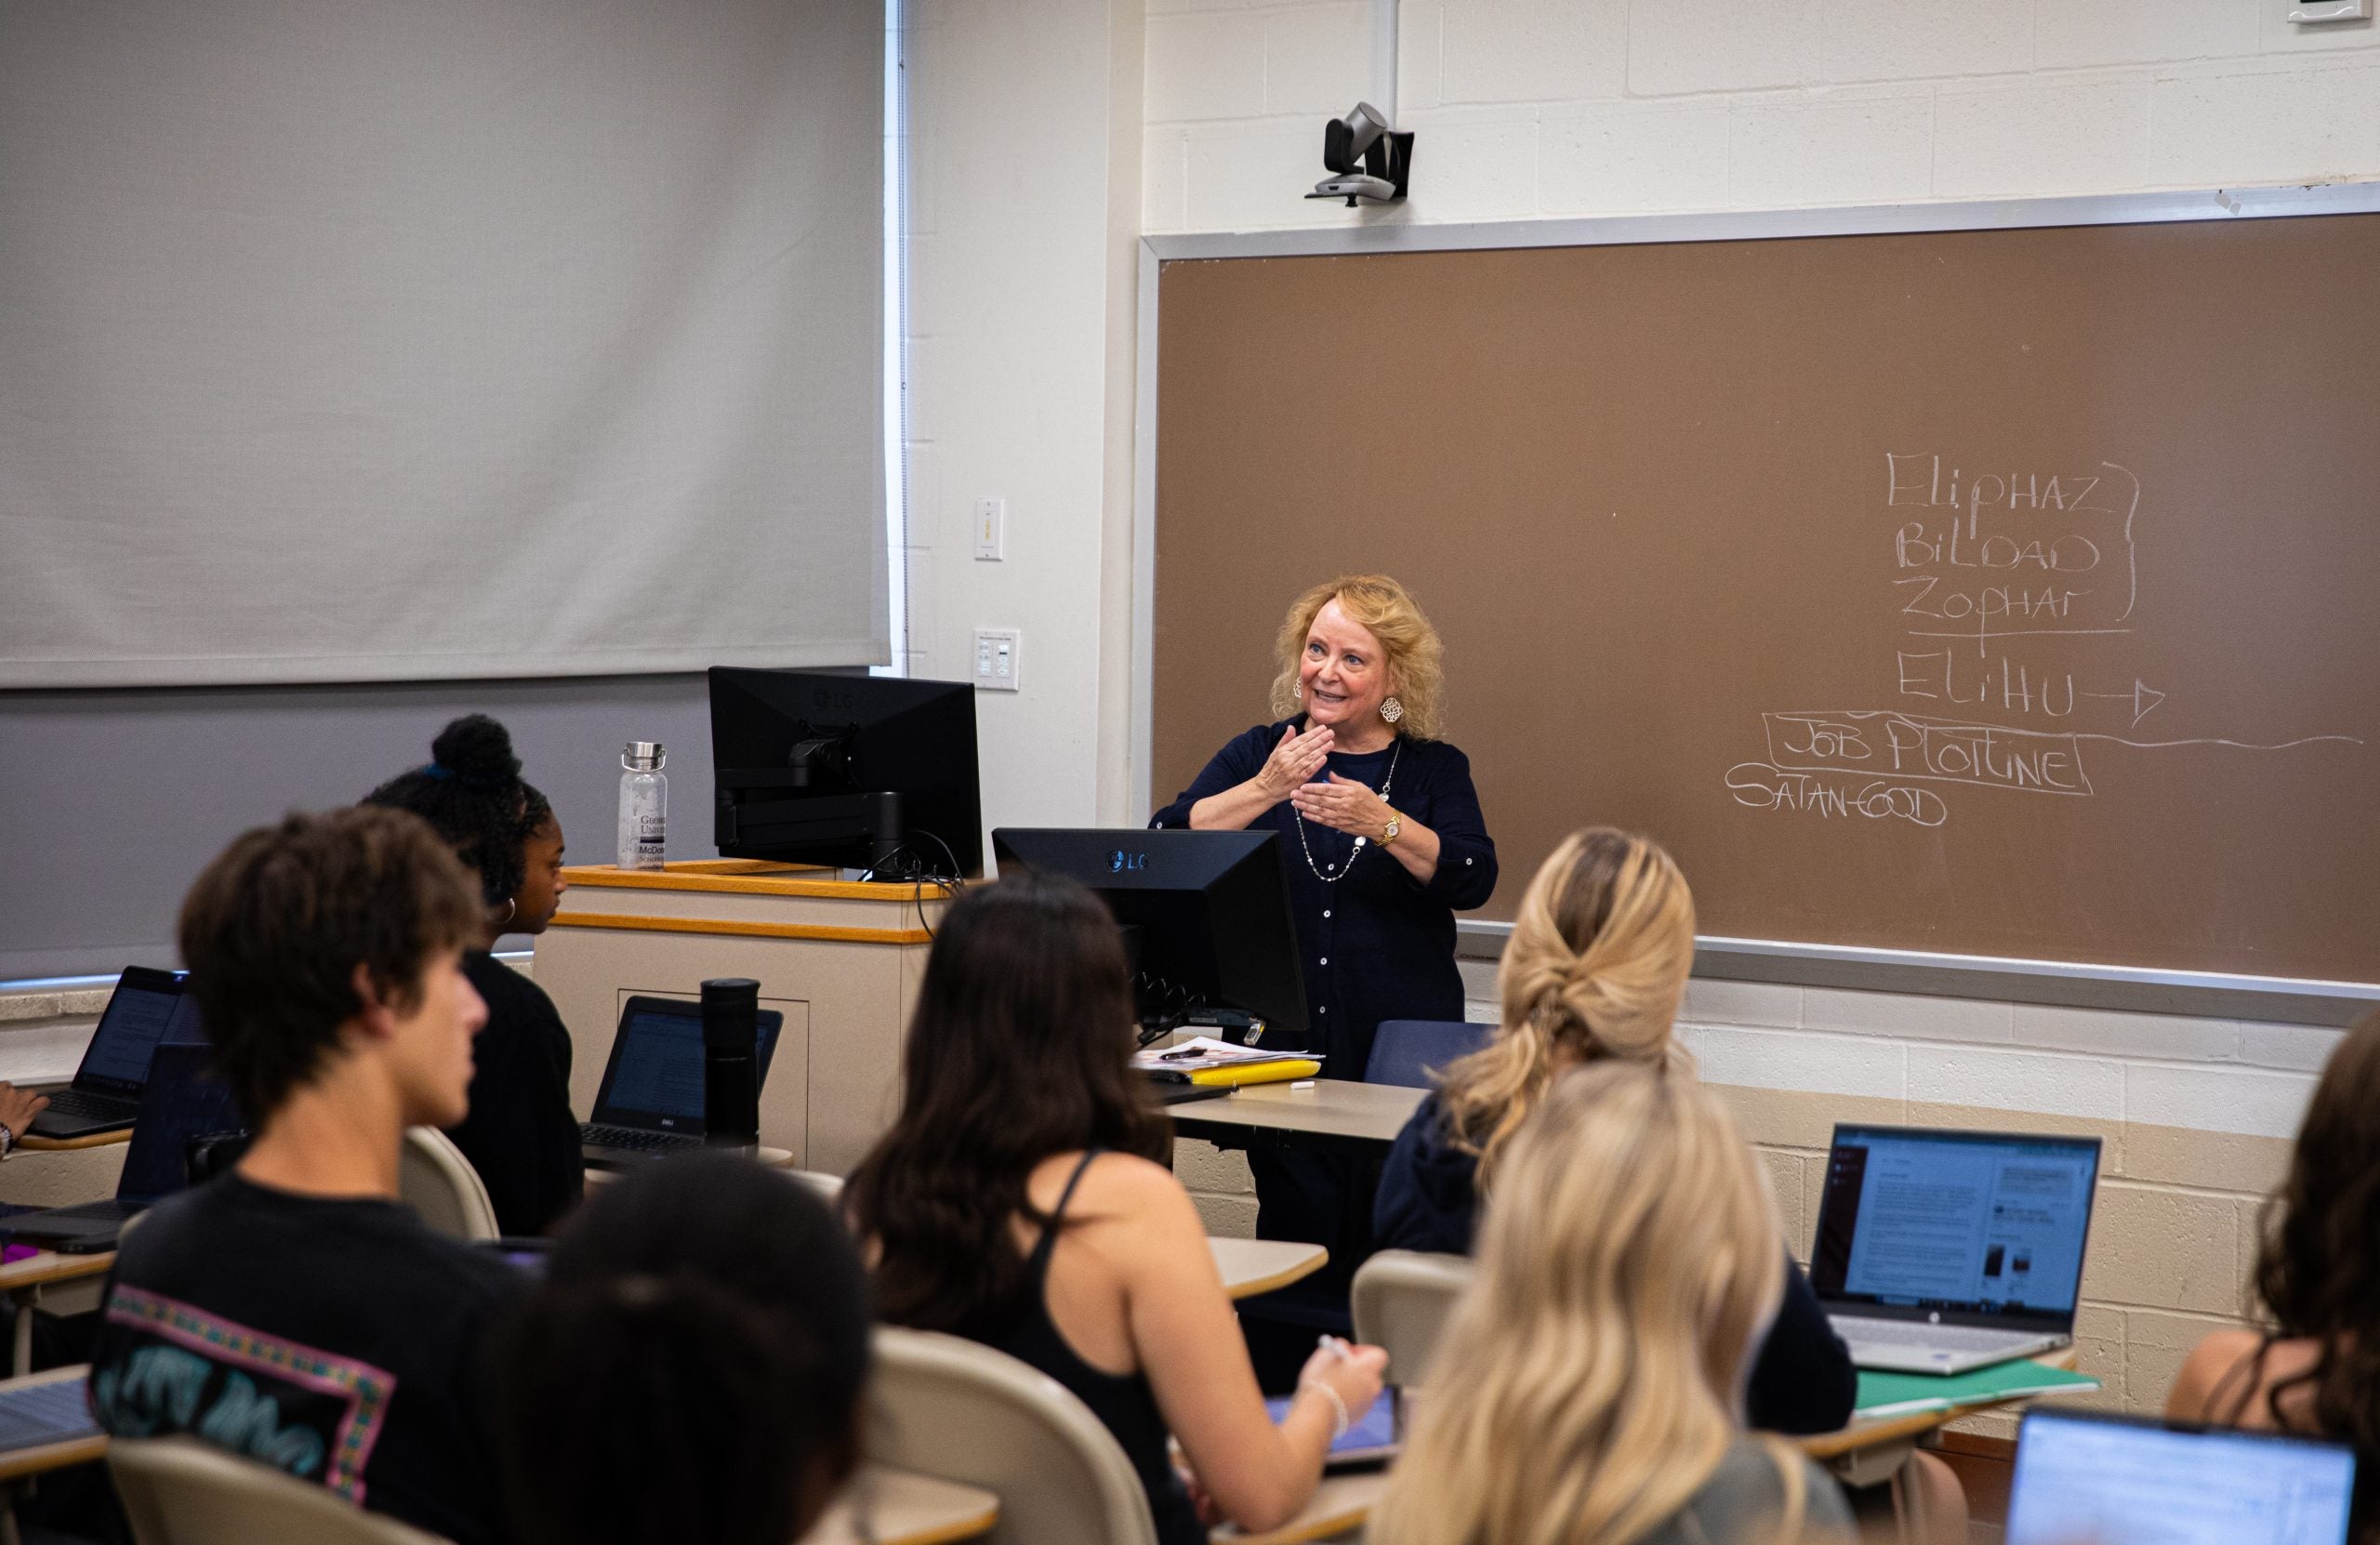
519, 1135
2315, 1368
691, 1368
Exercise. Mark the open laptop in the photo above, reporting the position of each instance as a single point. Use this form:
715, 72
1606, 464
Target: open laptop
2126, 1481
1941, 1251
181, 1105
148, 1008
651, 1104
54, 1411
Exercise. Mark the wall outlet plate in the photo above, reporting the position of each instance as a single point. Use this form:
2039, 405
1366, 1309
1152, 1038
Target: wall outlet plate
2330, 10
991, 529
996, 649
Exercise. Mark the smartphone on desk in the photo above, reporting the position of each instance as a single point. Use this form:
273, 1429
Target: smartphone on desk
1370, 1441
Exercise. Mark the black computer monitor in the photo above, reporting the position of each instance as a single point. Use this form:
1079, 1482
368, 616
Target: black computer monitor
1205, 914
861, 772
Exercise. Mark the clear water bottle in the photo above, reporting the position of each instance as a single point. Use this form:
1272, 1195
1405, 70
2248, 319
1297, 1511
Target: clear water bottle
644, 804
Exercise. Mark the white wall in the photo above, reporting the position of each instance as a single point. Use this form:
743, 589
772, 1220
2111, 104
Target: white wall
1544, 108
1023, 152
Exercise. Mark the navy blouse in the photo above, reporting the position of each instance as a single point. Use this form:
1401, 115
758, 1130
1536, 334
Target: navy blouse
1379, 943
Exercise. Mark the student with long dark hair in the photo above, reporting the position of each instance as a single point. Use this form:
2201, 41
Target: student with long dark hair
1022, 1199
520, 1135
691, 1365
2315, 1366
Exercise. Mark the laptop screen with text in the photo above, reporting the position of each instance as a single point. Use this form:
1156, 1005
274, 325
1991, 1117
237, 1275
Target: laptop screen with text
1985, 1222
2115, 1482
147, 1008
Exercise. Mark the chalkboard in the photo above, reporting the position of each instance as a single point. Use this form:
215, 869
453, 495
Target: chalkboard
1997, 592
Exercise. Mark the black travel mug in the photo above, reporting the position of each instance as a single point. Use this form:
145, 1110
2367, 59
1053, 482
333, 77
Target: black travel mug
730, 1061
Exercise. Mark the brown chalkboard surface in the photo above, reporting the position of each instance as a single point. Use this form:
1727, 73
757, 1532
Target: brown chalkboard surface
2001, 592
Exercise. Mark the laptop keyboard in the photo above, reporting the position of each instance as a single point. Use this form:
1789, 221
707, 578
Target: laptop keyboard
75, 1101
1916, 1333
46, 1413
635, 1139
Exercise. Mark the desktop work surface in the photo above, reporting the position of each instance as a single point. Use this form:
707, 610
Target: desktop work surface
1321, 1112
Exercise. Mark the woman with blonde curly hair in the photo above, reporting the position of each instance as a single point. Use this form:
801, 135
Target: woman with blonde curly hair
1384, 842
1627, 1270
1593, 973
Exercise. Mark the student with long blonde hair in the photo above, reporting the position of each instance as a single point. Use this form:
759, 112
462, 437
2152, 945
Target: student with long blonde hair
1596, 964
1628, 1269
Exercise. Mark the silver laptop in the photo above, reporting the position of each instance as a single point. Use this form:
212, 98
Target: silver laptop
1941, 1251
2123, 1481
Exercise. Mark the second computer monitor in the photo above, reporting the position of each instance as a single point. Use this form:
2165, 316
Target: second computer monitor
1206, 915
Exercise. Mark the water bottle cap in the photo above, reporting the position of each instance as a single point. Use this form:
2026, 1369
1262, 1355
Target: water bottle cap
644, 756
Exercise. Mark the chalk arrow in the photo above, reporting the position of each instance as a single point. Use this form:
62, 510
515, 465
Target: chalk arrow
2143, 698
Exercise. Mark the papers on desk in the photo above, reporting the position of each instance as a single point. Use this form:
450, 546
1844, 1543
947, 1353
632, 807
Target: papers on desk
1892, 1394
1204, 1060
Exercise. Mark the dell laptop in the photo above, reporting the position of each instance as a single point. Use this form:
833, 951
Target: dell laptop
1942, 1251
147, 1008
2126, 1481
651, 1104
182, 1105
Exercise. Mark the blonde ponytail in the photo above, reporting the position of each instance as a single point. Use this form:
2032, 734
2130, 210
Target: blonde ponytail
1597, 963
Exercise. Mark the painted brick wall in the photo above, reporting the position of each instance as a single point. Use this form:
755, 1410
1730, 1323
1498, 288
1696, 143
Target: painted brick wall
1545, 108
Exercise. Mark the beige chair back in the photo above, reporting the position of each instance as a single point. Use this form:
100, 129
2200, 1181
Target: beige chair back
179, 1491
951, 1407
439, 1184
1402, 1299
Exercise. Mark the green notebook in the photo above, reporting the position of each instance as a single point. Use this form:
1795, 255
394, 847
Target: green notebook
1888, 1394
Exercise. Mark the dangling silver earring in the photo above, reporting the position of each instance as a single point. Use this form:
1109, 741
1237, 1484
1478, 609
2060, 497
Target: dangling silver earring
1297, 690
1390, 709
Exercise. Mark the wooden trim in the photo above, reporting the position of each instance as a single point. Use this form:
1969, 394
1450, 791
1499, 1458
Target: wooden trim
1977, 1444
34, 1271
604, 877
33, 1142
630, 923
971, 1527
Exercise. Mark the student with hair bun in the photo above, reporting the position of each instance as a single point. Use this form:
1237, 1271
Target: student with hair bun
691, 1365
1595, 969
520, 1135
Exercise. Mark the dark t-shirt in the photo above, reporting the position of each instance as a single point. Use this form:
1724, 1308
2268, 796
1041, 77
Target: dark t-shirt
520, 1134
339, 1341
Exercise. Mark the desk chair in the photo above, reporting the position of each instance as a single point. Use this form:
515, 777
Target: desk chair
1402, 1299
438, 1182
948, 1406
179, 1491
1406, 1051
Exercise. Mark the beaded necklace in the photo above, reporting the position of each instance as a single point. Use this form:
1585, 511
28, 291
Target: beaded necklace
1332, 876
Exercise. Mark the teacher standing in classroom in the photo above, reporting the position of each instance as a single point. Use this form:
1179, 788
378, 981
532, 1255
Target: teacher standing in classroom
1383, 841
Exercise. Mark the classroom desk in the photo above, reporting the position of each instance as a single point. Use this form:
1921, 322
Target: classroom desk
1867, 1452
1253, 1266
1330, 1113
72, 1282
19, 1467
1342, 1505
775, 1158
903, 1508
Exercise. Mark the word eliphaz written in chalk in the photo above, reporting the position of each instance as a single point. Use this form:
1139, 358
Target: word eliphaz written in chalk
2013, 591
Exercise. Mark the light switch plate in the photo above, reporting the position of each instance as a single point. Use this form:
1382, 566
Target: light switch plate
991, 529
2330, 10
996, 649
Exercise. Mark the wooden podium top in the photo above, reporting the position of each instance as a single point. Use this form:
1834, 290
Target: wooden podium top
745, 876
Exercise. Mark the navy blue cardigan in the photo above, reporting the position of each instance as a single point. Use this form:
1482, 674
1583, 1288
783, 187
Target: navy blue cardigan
1803, 1380
1378, 944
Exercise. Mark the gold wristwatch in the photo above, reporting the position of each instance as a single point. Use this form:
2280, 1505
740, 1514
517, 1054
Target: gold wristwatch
1388, 833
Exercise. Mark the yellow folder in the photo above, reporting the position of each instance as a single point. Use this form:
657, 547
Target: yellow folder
1259, 1073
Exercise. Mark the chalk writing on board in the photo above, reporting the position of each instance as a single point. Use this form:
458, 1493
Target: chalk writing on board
1988, 568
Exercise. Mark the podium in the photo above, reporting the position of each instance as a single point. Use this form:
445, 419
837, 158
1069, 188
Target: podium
840, 960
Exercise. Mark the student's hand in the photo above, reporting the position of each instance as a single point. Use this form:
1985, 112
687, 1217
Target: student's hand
1296, 758
1355, 1374
17, 1108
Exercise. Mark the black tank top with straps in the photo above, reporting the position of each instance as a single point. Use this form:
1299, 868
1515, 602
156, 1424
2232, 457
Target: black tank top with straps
1122, 1401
